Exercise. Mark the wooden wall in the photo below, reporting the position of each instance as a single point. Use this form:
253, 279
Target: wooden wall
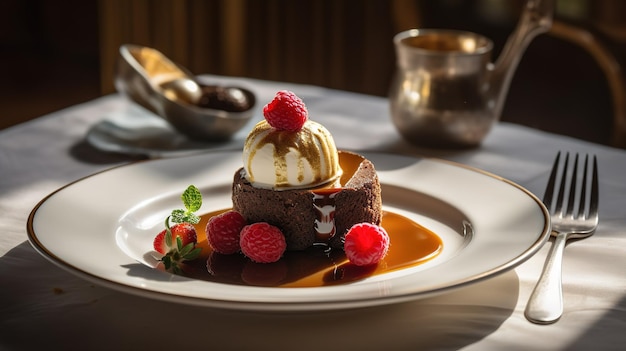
347, 44
343, 44
63, 53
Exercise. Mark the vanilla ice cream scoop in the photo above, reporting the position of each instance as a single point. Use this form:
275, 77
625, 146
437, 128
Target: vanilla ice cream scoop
281, 160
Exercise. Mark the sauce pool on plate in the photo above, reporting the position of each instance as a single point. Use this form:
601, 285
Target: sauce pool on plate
410, 244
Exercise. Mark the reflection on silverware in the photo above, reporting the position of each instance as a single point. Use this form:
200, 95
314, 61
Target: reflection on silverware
205, 113
183, 89
546, 302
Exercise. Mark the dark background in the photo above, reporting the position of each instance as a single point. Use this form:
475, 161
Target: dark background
55, 54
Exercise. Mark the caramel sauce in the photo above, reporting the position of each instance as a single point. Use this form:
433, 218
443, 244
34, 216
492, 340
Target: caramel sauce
410, 244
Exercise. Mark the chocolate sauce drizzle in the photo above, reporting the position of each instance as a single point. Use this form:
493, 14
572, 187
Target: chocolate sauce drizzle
324, 204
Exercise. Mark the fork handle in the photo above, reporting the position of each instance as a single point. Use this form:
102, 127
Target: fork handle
545, 305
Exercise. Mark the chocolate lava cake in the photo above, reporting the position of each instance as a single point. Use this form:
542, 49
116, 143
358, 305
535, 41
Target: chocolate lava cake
297, 212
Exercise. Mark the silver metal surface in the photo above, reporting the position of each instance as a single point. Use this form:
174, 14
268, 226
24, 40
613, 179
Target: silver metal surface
578, 220
170, 91
446, 92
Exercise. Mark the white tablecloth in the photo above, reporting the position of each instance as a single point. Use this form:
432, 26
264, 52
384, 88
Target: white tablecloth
42, 305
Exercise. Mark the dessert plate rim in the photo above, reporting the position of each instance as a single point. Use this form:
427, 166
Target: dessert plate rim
509, 225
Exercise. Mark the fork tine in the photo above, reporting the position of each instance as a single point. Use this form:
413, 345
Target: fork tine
561, 195
583, 191
593, 203
572, 189
548, 194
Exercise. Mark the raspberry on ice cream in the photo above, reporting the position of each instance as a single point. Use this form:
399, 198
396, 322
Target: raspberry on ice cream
278, 156
286, 112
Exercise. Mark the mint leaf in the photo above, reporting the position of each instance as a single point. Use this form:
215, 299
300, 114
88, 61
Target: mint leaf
192, 199
192, 218
178, 216
181, 216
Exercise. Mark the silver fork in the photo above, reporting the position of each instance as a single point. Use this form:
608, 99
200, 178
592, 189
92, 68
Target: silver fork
546, 302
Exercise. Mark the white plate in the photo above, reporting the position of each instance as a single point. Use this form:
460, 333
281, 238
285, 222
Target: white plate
101, 228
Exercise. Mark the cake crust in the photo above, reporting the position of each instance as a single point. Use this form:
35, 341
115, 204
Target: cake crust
358, 200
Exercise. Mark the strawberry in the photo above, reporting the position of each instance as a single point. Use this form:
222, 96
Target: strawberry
185, 231
177, 244
223, 230
286, 112
366, 244
262, 242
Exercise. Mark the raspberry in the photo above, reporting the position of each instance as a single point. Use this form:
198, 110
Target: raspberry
262, 242
286, 112
223, 230
366, 244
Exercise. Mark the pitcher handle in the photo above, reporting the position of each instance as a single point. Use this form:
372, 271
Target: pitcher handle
609, 65
536, 18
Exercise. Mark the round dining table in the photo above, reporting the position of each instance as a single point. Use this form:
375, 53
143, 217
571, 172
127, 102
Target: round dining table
43, 304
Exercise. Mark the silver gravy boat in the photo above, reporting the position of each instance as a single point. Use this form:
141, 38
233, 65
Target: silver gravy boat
446, 92
170, 91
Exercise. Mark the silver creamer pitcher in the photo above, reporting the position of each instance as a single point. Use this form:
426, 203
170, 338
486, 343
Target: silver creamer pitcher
446, 91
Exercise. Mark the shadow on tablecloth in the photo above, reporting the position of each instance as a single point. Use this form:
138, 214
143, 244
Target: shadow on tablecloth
42, 305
